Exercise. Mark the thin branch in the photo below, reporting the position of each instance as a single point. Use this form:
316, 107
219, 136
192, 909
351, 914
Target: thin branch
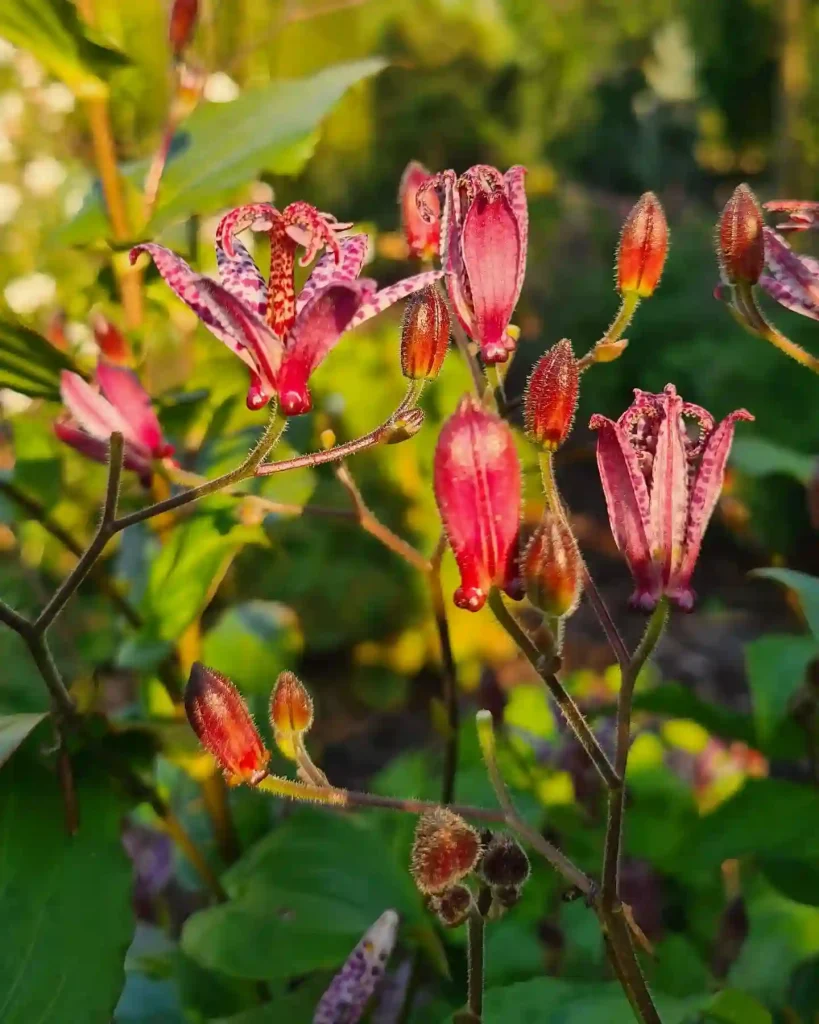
449, 677
40, 652
476, 953
606, 621
14, 620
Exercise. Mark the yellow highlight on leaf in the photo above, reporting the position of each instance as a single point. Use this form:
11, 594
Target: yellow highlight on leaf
556, 790
528, 710
685, 735
647, 752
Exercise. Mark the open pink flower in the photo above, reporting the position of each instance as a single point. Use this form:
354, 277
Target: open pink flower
281, 336
477, 482
422, 234
792, 280
119, 404
484, 235
800, 215
661, 485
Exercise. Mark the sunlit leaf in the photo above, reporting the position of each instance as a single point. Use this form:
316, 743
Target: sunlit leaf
13, 730
755, 456
28, 363
734, 1007
776, 671
804, 586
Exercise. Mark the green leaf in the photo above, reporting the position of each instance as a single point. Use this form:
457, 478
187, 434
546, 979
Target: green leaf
65, 902
734, 1007
28, 363
796, 879
301, 899
13, 730
52, 31
776, 668
252, 642
271, 128
755, 456
806, 589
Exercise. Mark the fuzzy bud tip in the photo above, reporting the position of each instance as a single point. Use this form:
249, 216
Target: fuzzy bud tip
551, 397
740, 238
552, 568
444, 850
424, 335
643, 247
291, 706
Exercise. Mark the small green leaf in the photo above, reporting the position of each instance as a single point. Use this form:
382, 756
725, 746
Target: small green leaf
776, 670
804, 586
734, 1007
28, 363
755, 456
52, 31
796, 879
252, 642
13, 730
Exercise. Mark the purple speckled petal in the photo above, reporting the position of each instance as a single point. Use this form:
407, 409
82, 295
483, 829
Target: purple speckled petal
379, 301
790, 298
353, 253
242, 278
516, 194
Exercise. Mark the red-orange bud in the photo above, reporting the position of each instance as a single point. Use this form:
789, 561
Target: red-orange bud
551, 397
552, 568
740, 241
111, 341
182, 24
291, 706
424, 335
643, 247
221, 720
444, 850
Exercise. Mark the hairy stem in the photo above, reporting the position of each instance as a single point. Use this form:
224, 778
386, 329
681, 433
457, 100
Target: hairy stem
748, 313
475, 959
449, 677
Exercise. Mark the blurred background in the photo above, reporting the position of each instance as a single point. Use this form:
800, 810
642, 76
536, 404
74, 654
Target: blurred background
601, 101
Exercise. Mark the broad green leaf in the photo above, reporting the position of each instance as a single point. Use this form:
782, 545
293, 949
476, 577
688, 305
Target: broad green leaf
301, 899
734, 1007
776, 668
52, 31
65, 902
804, 586
13, 730
252, 642
796, 879
28, 363
755, 456
271, 128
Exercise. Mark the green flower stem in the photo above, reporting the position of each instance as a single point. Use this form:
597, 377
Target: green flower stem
476, 954
747, 312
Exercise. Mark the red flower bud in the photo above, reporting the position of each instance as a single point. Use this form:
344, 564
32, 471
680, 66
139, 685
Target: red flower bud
182, 25
444, 850
740, 241
422, 236
111, 341
551, 397
477, 484
291, 706
552, 567
424, 335
221, 720
643, 247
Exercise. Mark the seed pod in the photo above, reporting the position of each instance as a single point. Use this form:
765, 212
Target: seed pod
551, 397
643, 247
740, 239
221, 720
506, 896
504, 862
444, 850
452, 906
552, 567
424, 335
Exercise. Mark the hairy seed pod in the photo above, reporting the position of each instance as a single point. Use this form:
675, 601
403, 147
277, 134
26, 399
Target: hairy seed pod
740, 239
504, 862
552, 567
452, 906
551, 397
444, 850
424, 335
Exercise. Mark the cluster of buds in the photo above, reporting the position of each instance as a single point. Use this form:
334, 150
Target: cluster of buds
504, 868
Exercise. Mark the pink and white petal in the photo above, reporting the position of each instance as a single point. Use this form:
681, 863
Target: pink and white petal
93, 412
490, 244
669, 487
258, 216
789, 268
122, 389
242, 278
377, 302
353, 254
628, 504
802, 216
513, 182
705, 490
789, 297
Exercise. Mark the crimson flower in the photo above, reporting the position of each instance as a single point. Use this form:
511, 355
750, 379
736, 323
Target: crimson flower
661, 485
118, 404
422, 236
484, 234
281, 336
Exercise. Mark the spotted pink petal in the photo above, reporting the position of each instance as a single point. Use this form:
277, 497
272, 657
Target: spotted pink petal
477, 483
317, 330
377, 302
92, 411
451, 257
705, 491
513, 183
242, 278
789, 297
258, 216
491, 247
629, 506
422, 234
795, 279
134, 459
123, 390
353, 253
668, 502
802, 216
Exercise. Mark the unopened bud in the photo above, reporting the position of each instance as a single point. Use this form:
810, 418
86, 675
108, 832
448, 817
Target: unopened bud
551, 397
111, 341
552, 567
504, 862
452, 906
424, 335
740, 241
444, 850
221, 720
506, 896
291, 707
643, 248
182, 25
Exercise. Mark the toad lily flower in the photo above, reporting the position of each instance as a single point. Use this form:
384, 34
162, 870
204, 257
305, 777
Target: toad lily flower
282, 337
791, 279
661, 485
484, 234
119, 404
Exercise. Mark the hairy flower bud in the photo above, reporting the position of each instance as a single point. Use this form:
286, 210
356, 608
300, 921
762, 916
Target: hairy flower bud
552, 567
477, 484
551, 397
643, 247
221, 720
291, 708
506, 896
182, 25
111, 341
422, 234
444, 850
504, 862
424, 335
740, 241
452, 906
